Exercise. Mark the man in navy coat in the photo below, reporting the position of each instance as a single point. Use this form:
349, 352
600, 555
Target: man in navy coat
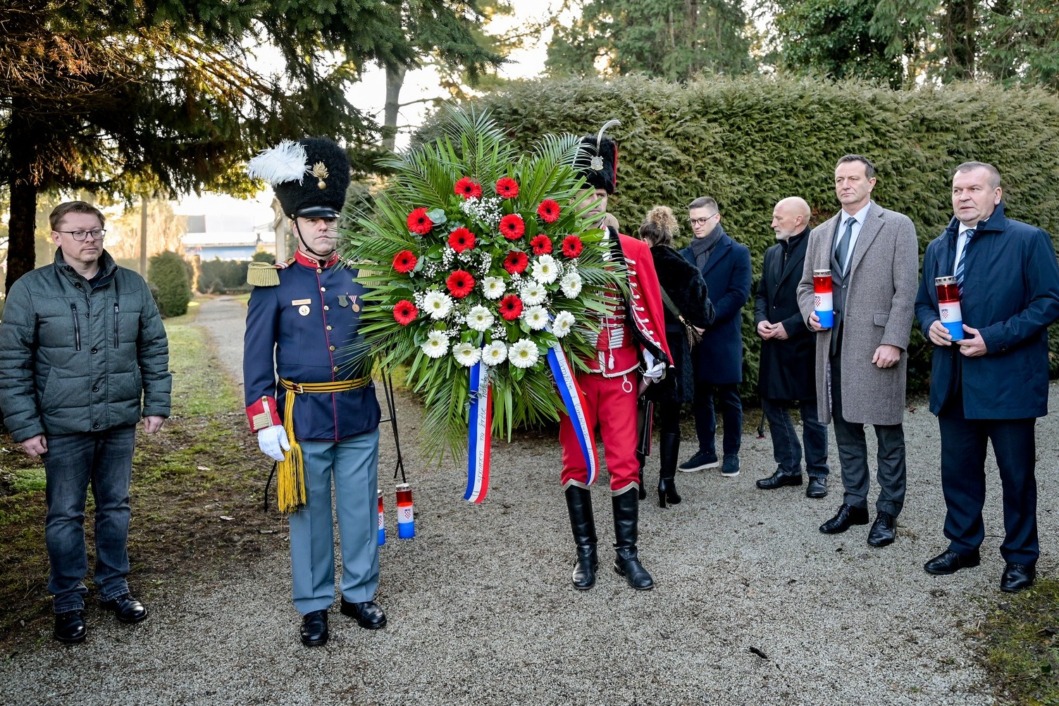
718, 358
320, 419
993, 384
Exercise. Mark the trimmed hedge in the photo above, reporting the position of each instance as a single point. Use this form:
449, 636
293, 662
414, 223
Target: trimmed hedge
169, 273
750, 142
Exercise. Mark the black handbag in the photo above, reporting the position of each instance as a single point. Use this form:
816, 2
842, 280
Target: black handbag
690, 331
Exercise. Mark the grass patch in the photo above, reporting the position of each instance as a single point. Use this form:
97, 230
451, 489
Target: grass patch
1020, 640
28, 480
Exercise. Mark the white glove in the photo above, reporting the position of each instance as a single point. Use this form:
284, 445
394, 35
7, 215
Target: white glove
273, 442
655, 369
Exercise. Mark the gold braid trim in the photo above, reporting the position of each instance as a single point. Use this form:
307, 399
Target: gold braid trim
290, 472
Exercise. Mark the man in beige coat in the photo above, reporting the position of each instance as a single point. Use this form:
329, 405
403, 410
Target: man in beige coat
861, 362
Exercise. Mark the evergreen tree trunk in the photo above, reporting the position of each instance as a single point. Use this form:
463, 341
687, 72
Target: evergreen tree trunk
960, 25
394, 82
21, 254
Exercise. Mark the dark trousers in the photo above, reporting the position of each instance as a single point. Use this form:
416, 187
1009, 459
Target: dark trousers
785, 448
706, 421
853, 455
963, 453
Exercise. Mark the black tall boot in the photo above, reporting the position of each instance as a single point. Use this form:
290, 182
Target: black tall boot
583, 525
668, 448
627, 563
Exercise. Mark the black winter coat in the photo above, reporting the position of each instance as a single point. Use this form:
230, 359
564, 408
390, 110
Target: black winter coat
787, 367
684, 285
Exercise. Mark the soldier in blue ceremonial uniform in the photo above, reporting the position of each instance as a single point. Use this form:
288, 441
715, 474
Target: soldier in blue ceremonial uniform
320, 419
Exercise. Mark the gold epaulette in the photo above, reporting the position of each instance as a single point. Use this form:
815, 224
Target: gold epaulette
262, 274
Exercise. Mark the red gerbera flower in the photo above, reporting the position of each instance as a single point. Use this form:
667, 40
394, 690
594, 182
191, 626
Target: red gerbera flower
404, 261
516, 262
461, 239
548, 211
541, 244
512, 226
405, 312
511, 307
419, 222
507, 187
572, 246
468, 188
460, 283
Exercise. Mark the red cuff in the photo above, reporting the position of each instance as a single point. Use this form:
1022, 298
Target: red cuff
263, 414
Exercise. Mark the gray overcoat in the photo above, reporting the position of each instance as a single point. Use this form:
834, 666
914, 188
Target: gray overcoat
880, 297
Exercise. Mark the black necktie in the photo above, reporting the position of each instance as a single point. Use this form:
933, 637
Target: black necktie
842, 251
968, 234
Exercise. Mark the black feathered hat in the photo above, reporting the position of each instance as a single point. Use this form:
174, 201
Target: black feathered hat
598, 160
310, 176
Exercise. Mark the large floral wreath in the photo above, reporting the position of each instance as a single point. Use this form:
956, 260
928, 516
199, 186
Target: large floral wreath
480, 260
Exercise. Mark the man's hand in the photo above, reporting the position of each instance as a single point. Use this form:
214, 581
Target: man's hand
655, 369
152, 423
814, 322
778, 332
939, 335
36, 446
974, 346
273, 442
886, 356
764, 330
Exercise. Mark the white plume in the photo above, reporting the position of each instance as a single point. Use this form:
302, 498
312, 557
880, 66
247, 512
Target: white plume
286, 161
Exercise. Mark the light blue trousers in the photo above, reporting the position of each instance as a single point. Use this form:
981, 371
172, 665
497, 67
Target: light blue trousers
353, 464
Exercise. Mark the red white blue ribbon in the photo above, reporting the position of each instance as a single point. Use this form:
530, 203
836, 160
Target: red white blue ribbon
479, 436
575, 408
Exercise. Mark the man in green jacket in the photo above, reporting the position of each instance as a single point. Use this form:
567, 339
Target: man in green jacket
83, 356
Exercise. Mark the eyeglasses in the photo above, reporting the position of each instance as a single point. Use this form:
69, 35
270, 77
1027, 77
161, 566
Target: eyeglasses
701, 221
83, 235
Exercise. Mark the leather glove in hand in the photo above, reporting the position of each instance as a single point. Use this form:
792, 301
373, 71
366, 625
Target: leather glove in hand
273, 442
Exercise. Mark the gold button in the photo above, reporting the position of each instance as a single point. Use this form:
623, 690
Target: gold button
323, 289
328, 328
319, 271
335, 368
327, 308
331, 348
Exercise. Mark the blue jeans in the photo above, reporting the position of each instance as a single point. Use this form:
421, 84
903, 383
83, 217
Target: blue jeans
706, 421
785, 448
73, 463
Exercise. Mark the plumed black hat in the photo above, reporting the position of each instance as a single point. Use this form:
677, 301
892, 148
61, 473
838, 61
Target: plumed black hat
310, 176
597, 161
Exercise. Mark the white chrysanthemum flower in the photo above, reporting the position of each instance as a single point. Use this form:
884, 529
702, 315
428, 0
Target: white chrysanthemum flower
523, 353
545, 269
571, 284
479, 318
493, 287
437, 344
532, 293
564, 321
535, 317
494, 354
466, 354
437, 304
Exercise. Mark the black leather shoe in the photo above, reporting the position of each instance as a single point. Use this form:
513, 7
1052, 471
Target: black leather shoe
949, 562
314, 629
846, 517
1017, 577
883, 531
778, 480
126, 608
368, 614
70, 627
817, 488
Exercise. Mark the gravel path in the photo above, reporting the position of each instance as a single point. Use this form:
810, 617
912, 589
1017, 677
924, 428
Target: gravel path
481, 611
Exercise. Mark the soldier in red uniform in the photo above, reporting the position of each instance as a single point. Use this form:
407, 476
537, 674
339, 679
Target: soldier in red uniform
320, 419
631, 346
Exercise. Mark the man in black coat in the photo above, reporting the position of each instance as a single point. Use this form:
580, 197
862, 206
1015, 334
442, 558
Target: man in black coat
788, 355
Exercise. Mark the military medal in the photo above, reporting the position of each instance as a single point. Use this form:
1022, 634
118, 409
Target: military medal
343, 301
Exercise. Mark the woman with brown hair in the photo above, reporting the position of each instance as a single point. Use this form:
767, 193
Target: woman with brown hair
687, 302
